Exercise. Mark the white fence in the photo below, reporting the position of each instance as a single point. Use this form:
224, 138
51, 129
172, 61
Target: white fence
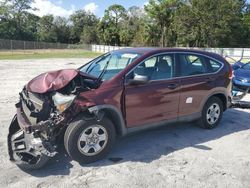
231, 52
105, 48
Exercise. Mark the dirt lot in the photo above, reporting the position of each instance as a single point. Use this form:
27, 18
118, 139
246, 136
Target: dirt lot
174, 156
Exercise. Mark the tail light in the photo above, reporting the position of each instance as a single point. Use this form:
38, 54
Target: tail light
231, 73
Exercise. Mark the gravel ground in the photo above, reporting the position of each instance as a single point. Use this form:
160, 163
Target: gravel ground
180, 155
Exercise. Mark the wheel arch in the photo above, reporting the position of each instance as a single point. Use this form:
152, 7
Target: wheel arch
113, 114
222, 97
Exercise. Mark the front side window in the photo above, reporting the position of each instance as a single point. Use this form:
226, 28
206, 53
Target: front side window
109, 65
156, 68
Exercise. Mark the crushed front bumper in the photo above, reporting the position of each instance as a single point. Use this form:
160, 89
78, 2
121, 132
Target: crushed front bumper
24, 144
25, 124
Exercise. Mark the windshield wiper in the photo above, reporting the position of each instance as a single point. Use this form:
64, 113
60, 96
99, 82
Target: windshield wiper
96, 61
104, 70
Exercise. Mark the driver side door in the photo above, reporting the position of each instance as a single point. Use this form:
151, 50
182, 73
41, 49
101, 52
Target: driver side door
156, 100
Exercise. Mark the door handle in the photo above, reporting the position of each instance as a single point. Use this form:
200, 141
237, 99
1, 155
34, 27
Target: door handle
172, 86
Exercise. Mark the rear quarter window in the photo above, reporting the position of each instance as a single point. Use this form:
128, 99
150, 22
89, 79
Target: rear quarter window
214, 65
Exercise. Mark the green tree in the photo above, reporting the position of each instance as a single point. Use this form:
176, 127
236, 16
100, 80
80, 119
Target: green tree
131, 25
7, 25
245, 28
81, 19
199, 23
62, 29
161, 13
89, 35
29, 27
111, 24
208, 23
47, 29
16, 21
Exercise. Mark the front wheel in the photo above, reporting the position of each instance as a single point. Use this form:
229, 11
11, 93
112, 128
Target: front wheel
211, 113
34, 164
87, 141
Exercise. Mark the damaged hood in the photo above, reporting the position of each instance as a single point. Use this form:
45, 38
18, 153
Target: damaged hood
51, 81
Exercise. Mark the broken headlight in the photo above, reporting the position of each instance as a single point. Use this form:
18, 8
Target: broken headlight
62, 102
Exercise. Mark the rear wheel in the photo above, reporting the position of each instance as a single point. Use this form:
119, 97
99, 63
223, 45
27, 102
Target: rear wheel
211, 113
87, 141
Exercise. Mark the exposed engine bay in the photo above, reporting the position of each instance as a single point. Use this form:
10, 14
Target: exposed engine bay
42, 117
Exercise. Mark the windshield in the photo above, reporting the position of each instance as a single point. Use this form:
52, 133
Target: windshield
246, 66
108, 65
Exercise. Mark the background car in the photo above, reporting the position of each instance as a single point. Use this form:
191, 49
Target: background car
241, 79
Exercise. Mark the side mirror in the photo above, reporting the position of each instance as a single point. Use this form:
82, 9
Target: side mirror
139, 80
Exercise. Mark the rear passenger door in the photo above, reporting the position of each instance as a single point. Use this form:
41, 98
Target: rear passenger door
197, 80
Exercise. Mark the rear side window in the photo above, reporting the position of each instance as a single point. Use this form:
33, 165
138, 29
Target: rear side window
192, 65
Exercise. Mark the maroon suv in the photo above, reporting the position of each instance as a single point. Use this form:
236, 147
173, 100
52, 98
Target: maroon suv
113, 95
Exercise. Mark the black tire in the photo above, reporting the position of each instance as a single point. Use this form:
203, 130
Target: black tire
204, 122
25, 166
19, 159
73, 133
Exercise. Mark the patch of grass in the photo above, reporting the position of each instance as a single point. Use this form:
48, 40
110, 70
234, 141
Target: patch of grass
44, 54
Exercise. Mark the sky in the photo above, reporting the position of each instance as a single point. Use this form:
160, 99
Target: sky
67, 7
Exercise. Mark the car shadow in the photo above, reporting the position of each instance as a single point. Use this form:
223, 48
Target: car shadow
150, 145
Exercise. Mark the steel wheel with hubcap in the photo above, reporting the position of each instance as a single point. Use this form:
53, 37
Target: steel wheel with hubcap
87, 141
211, 113
92, 140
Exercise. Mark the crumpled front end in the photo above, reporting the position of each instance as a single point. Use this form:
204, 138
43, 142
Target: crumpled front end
33, 130
28, 150
42, 115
